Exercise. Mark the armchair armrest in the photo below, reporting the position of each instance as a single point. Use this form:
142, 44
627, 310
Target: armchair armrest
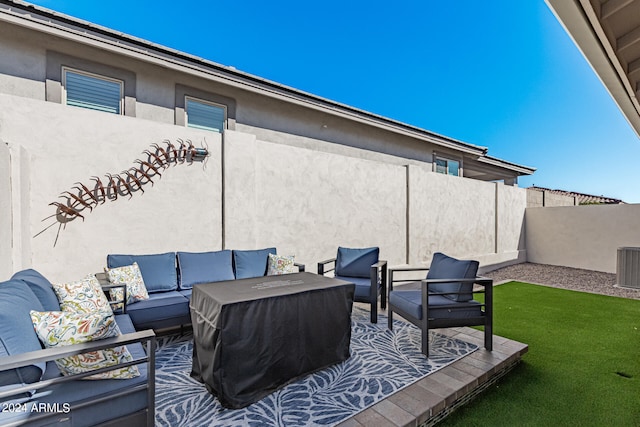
396, 269
380, 264
483, 281
322, 266
379, 273
50, 354
106, 285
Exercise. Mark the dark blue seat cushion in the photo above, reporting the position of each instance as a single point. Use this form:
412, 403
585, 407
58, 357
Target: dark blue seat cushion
161, 309
16, 330
351, 262
204, 267
252, 263
445, 267
158, 270
363, 288
410, 301
41, 287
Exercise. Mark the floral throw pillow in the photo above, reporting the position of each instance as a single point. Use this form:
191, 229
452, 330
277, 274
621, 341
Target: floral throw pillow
280, 264
83, 296
59, 328
130, 276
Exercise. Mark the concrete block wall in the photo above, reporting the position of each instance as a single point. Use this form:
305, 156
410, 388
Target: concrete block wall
251, 193
307, 202
181, 211
536, 198
581, 236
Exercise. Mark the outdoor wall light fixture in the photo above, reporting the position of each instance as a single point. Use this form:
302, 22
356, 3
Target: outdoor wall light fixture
199, 154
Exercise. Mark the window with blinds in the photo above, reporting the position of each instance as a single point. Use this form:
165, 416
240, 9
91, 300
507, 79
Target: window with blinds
92, 91
205, 115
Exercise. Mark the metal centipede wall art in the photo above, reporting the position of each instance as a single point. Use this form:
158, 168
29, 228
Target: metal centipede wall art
82, 197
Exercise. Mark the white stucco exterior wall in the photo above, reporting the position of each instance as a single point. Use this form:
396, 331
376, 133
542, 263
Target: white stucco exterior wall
581, 236
301, 200
449, 214
6, 238
511, 203
308, 203
181, 211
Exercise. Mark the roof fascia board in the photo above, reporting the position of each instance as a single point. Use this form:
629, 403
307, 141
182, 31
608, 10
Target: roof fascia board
580, 22
179, 61
495, 162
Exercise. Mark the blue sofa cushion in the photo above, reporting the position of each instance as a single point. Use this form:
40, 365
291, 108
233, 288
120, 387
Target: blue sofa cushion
160, 308
204, 267
41, 287
16, 330
445, 267
352, 262
250, 264
158, 270
186, 293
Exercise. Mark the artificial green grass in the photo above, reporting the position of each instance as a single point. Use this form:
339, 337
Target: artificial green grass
583, 364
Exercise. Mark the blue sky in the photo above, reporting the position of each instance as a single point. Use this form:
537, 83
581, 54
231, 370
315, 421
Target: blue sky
501, 74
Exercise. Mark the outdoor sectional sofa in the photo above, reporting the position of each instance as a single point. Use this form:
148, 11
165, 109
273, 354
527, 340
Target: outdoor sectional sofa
33, 392
169, 279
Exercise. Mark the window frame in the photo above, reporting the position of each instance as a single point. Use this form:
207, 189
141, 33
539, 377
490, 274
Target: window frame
120, 82
447, 160
224, 108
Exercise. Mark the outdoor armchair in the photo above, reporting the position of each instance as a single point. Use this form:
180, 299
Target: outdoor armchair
363, 268
444, 299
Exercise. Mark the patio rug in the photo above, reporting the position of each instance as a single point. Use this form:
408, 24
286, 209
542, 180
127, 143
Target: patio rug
381, 363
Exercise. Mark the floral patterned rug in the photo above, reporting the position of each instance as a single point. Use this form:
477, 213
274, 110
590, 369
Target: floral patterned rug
381, 363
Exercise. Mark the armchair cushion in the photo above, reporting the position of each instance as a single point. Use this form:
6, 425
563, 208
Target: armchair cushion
158, 270
410, 301
16, 331
253, 263
445, 267
40, 286
352, 262
363, 287
204, 267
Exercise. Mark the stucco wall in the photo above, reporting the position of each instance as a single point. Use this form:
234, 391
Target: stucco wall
464, 218
303, 201
181, 211
6, 265
449, 214
581, 236
511, 205
308, 203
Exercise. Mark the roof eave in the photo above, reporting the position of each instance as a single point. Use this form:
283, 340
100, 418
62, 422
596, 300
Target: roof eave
580, 22
503, 164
